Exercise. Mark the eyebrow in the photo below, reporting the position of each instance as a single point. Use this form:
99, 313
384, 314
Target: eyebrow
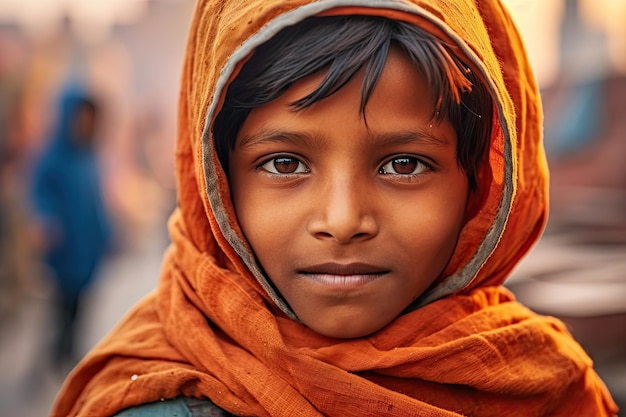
265, 136
408, 137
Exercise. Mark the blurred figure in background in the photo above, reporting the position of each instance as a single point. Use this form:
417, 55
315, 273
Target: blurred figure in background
71, 216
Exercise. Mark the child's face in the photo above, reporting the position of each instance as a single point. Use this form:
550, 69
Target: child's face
351, 221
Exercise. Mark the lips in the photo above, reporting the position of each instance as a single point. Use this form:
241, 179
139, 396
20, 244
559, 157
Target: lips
356, 268
343, 275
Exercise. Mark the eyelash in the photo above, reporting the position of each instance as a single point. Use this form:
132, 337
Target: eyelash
269, 166
272, 162
419, 164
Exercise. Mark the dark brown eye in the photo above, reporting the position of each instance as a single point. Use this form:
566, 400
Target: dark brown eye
285, 165
403, 166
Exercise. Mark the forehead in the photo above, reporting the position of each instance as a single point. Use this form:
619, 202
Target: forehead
401, 104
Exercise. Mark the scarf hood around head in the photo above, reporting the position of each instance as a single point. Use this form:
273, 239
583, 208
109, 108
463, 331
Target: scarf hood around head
215, 328
514, 210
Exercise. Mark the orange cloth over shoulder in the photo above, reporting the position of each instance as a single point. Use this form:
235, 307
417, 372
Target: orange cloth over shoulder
215, 329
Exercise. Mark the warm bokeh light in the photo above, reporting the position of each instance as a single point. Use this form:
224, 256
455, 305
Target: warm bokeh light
92, 19
608, 16
538, 23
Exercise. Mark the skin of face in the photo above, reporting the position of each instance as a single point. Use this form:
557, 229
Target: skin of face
351, 218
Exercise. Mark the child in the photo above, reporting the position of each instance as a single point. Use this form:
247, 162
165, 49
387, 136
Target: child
70, 214
356, 180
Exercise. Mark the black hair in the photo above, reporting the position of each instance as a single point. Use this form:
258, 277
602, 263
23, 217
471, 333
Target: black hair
343, 45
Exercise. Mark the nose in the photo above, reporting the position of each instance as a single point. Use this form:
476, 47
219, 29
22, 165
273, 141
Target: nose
344, 212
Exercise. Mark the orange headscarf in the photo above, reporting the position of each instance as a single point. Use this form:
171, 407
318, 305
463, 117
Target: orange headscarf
215, 328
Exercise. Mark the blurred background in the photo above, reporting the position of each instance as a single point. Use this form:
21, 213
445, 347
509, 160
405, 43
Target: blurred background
126, 56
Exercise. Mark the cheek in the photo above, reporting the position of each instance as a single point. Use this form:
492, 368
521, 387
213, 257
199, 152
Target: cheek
434, 237
454, 220
251, 212
437, 223
266, 221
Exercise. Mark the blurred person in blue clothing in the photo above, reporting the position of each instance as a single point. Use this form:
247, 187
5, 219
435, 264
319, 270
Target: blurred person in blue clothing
70, 212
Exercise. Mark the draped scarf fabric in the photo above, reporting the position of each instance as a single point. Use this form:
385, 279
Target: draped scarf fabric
215, 329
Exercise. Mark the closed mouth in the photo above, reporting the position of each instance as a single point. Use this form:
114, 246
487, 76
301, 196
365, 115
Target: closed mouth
355, 268
343, 275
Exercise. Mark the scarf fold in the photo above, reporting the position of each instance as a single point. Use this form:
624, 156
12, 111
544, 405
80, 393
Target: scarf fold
441, 360
212, 330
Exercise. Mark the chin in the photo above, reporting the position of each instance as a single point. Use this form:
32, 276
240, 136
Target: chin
345, 330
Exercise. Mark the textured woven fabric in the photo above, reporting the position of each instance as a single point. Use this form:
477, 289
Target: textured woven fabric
214, 329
